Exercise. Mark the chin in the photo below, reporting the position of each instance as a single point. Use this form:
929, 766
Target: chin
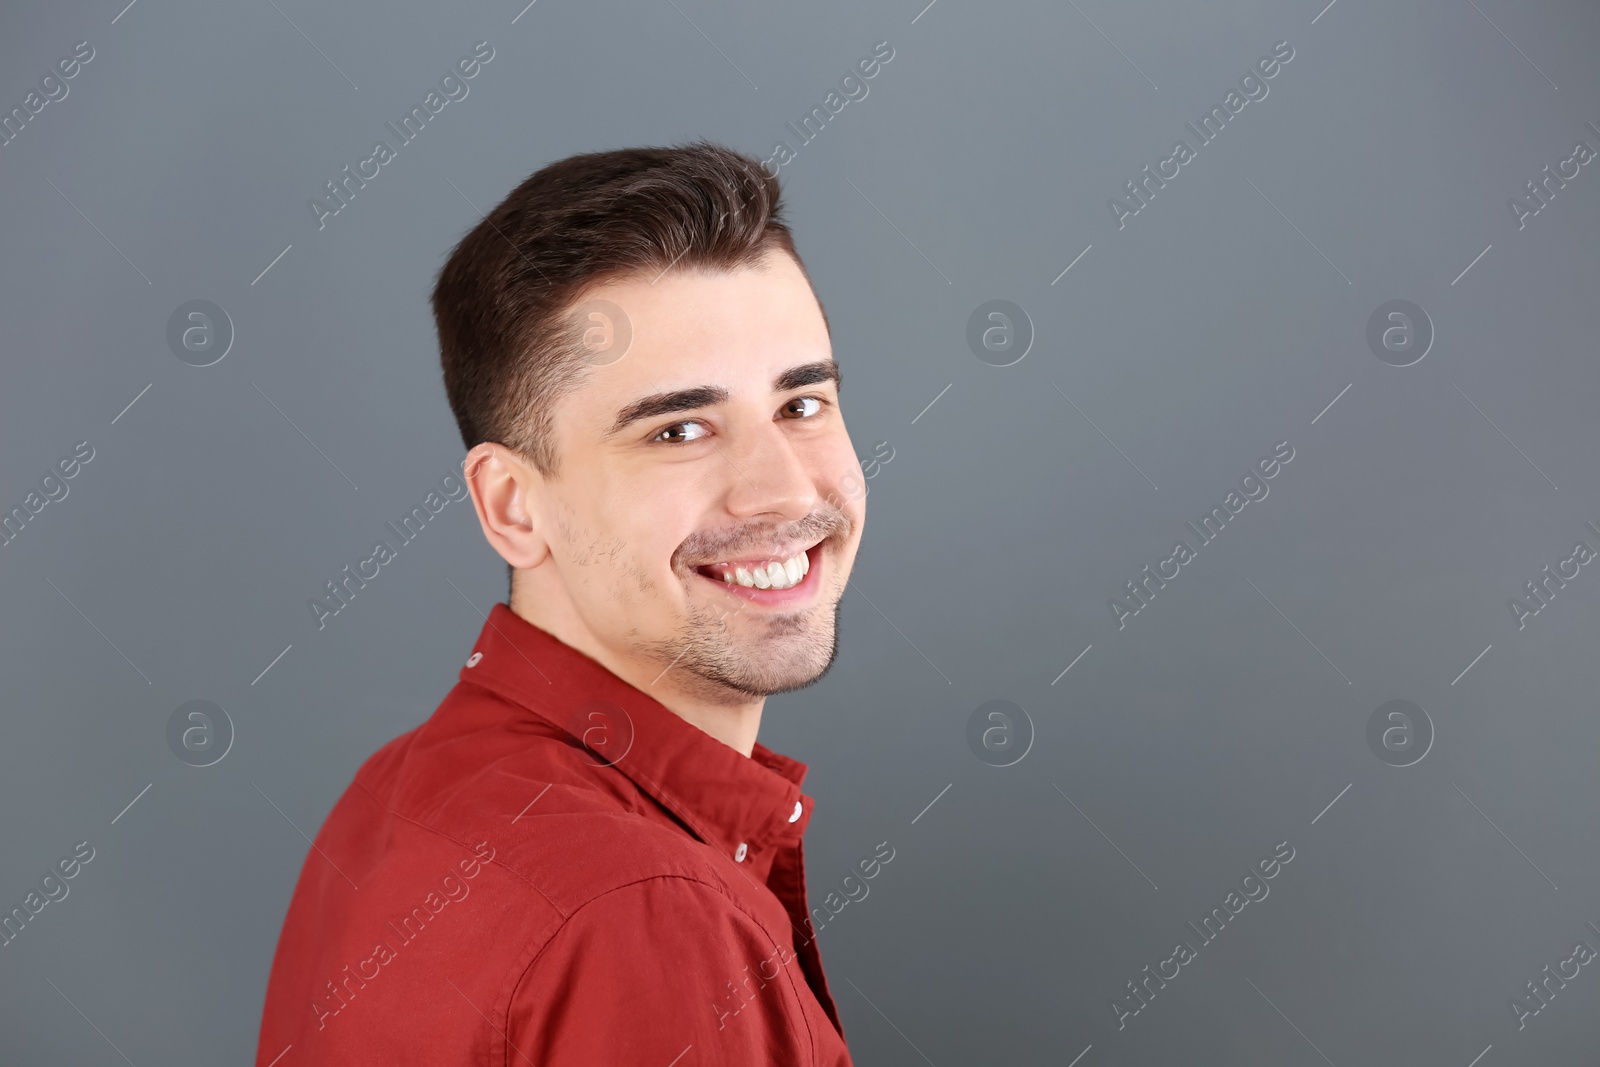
796, 651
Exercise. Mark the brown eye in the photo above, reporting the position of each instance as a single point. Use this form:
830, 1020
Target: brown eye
676, 426
818, 401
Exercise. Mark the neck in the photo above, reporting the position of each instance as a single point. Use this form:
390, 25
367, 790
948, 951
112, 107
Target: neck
733, 719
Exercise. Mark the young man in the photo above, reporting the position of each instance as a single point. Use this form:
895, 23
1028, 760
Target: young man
584, 857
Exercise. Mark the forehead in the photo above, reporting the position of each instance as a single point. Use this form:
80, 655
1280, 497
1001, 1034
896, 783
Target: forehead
735, 329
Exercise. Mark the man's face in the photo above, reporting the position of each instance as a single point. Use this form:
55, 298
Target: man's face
711, 454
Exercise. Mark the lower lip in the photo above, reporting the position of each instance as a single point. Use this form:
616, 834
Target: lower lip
778, 598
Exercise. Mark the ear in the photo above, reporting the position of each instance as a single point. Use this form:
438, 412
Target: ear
502, 485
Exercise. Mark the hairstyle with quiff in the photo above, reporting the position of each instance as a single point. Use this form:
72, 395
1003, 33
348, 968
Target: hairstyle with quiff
509, 347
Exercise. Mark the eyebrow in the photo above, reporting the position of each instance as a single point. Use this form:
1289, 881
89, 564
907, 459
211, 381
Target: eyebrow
700, 396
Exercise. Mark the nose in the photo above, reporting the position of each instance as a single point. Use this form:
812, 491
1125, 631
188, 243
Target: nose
767, 477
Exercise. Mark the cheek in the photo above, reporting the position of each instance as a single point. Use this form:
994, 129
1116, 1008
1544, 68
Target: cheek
637, 543
854, 489
568, 527
640, 577
839, 472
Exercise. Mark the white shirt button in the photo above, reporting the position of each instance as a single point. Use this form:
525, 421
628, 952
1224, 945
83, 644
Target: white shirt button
472, 660
797, 812
740, 853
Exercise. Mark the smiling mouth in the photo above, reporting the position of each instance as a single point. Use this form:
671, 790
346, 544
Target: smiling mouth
754, 575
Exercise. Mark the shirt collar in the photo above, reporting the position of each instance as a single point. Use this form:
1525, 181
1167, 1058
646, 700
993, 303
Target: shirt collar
743, 806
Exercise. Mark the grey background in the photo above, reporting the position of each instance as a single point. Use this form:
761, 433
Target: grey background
1224, 318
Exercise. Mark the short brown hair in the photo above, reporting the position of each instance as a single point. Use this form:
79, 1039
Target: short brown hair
507, 345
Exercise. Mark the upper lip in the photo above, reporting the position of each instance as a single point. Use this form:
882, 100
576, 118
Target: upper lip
775, 554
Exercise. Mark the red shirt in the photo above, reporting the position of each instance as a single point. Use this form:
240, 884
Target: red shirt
554, 870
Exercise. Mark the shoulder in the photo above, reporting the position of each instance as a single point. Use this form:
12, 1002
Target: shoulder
567, 828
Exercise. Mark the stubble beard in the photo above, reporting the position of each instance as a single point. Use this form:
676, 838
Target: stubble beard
729, 656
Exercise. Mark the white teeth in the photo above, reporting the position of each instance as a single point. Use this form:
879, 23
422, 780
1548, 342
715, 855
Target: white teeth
783, 574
